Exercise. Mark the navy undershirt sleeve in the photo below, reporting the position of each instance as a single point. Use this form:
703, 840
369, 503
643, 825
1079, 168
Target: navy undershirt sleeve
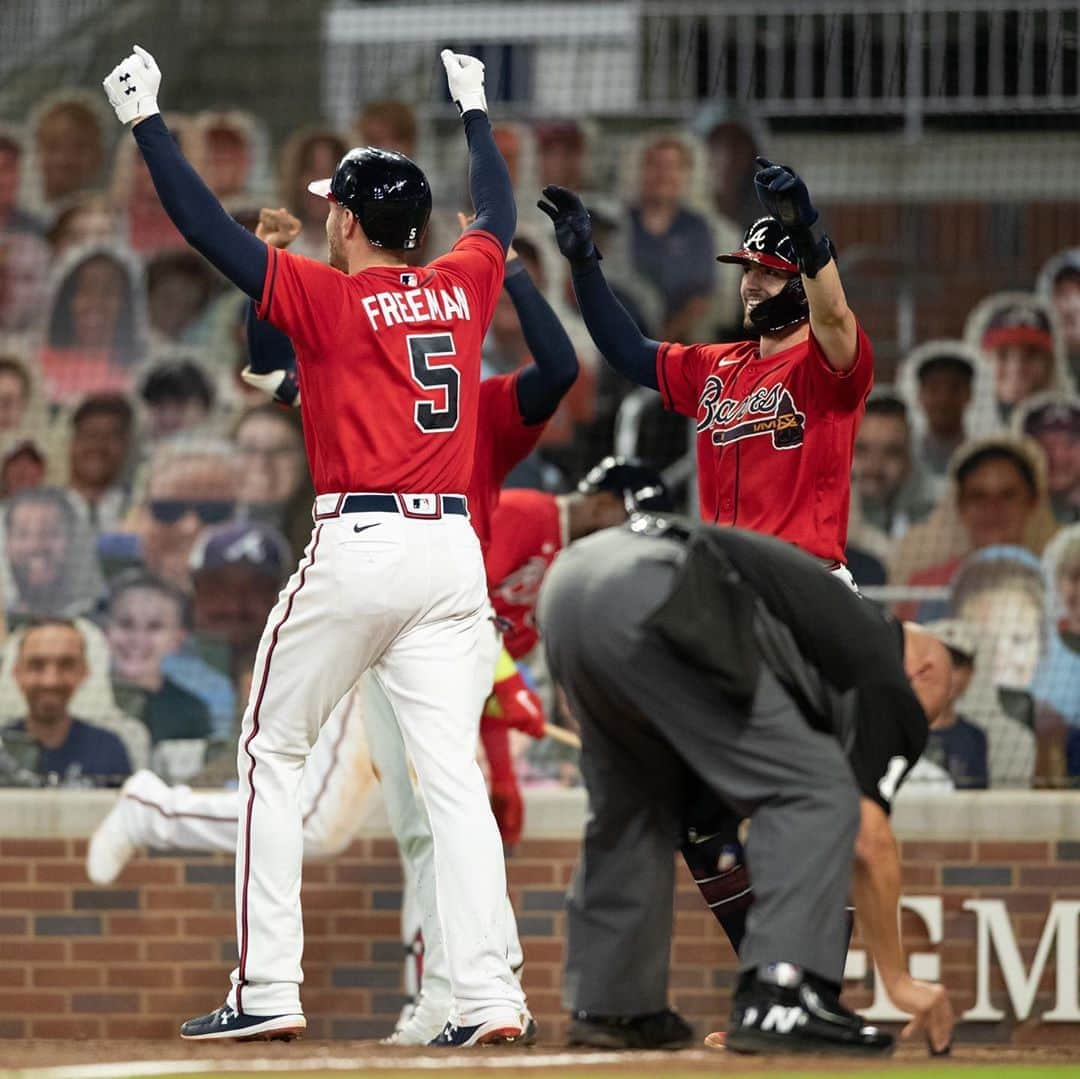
194, 209
543, 384
613, 331
268, 348
489, 180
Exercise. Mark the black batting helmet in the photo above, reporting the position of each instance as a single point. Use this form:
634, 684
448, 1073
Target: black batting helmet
766, 243
386, 192
641, 487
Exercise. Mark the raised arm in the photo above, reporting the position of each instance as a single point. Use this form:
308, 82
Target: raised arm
132, 89
543, 384
489, 179
613, 331
785, 196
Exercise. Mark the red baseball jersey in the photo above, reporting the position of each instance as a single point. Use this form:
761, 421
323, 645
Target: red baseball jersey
503, 439
775, 436
389, 364
528, 529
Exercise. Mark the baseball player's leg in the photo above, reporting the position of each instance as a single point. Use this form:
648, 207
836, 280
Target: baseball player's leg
515, 955
717, 862
339, 789
320, 636
429, 675
335, 796
408, 821
150, 813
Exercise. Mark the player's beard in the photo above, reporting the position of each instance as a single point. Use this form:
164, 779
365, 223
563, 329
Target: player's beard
336, 251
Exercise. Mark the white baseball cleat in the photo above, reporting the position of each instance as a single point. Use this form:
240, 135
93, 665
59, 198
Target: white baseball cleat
114, 843
423, 1024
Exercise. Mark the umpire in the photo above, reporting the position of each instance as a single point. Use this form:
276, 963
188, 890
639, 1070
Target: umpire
693, 655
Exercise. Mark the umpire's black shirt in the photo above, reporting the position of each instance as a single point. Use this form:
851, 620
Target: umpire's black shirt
742, 598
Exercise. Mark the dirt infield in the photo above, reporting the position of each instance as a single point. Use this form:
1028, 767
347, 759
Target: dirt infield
29, 1059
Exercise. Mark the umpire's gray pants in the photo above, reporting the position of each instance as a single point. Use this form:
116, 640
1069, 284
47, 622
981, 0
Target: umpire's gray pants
646, 719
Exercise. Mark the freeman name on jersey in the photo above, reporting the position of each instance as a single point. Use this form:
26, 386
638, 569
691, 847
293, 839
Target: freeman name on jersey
416, 305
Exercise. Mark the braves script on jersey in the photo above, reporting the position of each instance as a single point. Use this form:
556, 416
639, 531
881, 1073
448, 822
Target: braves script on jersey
503, 440
528, 531
387, 359
775, 436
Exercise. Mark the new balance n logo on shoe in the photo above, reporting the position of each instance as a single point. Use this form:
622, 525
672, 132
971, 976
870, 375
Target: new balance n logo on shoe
781, 1019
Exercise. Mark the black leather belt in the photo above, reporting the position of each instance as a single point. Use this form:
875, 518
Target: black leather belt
389, 504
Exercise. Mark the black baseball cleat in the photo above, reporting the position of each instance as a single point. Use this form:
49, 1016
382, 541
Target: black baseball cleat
655, 1030
783, 1009
493, 1032
226, 1022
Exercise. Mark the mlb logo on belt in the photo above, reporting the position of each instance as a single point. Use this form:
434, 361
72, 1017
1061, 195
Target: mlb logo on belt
428, 506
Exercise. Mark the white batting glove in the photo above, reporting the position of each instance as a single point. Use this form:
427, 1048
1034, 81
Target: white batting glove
465, 77
132, 87
280, 385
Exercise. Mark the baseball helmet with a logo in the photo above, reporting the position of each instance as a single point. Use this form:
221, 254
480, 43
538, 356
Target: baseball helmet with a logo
766, 243
386, 192
640, 486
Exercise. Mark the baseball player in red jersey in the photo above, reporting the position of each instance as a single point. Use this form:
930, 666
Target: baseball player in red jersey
512, 415
392, 580
776, 416
529, 528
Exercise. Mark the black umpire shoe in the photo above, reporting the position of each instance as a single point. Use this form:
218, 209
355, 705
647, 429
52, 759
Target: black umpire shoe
783, 1009
656, 1030
225, 1022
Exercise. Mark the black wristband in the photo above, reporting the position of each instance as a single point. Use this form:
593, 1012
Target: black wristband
586, 263
813, 249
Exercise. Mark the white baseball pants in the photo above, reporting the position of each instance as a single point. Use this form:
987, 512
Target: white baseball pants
405, 811
405, 598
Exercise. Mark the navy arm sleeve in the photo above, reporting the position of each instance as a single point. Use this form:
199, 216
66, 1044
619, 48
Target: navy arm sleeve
196, 212
489, 180
612, 329
268, 348
544, 383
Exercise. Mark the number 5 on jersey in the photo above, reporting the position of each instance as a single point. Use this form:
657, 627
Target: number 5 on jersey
423, 347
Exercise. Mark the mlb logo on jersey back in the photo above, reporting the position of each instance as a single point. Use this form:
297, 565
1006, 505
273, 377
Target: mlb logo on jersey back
410, 280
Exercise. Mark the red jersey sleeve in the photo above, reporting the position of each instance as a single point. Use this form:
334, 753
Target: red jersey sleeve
478, 263
514, 439
843, 391
304, 299
681, 371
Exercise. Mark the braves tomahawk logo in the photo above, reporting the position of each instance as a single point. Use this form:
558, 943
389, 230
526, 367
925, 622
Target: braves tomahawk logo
768, 410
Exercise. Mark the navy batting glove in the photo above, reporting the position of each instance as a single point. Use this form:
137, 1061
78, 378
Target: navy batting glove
784, 195
573, 226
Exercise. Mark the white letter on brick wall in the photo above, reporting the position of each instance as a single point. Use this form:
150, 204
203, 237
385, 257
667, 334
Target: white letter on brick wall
995, 929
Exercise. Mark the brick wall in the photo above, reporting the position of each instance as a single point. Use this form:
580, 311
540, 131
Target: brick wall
135, 959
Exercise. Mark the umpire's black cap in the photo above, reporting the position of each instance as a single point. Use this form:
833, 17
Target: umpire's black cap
386, 192
636, 482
